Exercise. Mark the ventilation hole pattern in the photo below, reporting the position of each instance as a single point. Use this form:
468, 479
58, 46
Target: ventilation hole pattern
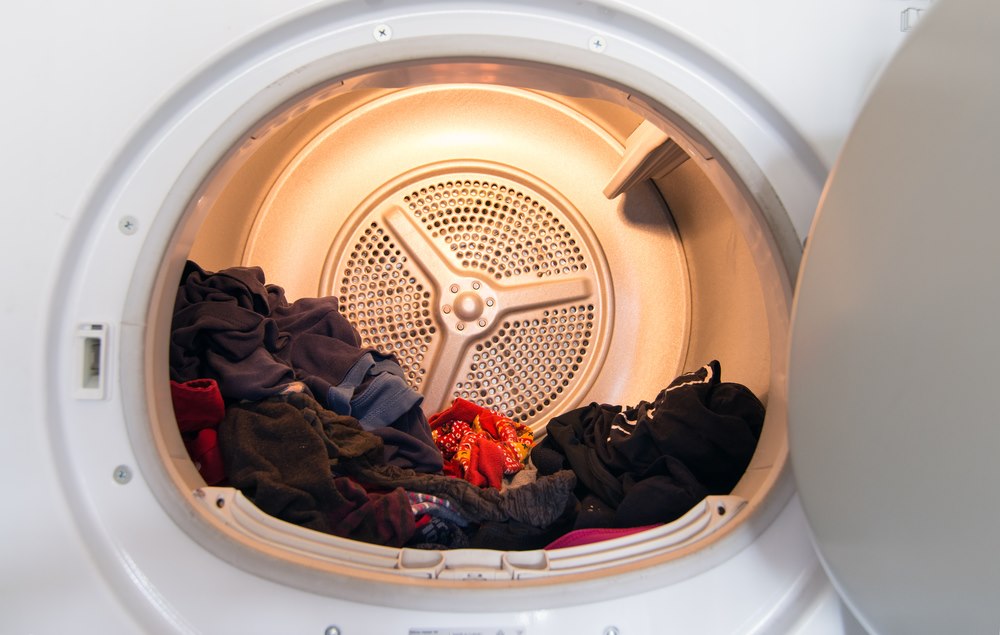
496, 229
388, 306
525, 368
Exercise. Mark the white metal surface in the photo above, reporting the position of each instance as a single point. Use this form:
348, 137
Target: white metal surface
109, 110
895, 354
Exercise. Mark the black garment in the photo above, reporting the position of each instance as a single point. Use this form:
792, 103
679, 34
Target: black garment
283, 453
438, 533
667, 481
653, 462
287, 453
518, 536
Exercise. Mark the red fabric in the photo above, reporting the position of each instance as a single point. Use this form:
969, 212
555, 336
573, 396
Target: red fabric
203, 449
199, 408
421, 521
197, 404
485, 464
460, 410
479, 445
470, 471
488, 420
384, 519
453, 468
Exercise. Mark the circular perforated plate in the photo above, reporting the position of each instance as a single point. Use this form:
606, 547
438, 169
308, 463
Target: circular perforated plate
484, 283
389, 304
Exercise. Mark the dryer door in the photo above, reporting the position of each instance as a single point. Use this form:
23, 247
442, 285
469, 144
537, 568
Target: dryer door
894, 377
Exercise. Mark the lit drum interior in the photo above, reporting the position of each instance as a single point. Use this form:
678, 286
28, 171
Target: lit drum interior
529, 248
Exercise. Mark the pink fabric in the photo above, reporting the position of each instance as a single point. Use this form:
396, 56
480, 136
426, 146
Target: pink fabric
580, 537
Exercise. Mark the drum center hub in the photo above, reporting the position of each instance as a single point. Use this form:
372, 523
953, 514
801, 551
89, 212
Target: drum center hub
468, 306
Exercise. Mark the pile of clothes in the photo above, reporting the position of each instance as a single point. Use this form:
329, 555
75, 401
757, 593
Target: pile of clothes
281, 401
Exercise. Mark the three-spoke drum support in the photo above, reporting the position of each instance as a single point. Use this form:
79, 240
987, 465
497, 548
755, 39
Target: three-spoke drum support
483, 288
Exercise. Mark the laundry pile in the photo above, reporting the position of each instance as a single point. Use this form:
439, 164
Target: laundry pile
233, 328
280, 401
306, 464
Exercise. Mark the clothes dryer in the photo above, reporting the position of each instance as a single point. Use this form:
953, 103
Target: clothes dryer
667, 159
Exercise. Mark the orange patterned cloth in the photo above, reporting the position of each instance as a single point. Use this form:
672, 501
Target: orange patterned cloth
480, 445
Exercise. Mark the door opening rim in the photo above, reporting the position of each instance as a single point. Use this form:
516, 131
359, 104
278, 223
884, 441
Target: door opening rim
160, 172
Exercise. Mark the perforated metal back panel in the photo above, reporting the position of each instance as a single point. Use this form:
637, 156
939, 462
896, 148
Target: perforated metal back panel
530, 363
388, 305
496, 228
465, 230
483, 288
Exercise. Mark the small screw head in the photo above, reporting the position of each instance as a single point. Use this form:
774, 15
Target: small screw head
490, 301
476, 285
612, 630
460, 326
482, 322
382, 33
128, 225
446, 309
453, 288
597, 44
122, 474
332, 630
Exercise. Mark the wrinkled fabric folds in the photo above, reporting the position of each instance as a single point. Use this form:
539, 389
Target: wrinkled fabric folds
290, 456
651, 463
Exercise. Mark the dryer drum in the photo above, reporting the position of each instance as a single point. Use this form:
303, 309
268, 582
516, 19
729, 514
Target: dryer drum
528, 238
522, 336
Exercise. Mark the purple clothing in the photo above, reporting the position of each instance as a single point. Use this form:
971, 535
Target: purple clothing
232, 327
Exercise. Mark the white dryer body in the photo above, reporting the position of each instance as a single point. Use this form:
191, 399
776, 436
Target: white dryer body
698, 137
